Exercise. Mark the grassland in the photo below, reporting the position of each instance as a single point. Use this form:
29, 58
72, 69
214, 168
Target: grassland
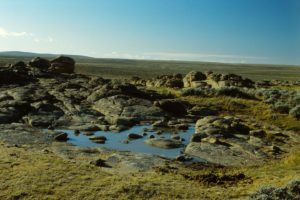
31, 174
122, 68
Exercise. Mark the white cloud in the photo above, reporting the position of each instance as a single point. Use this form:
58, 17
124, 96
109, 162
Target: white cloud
115, 54
5, 33
199, 56
227, 58
50, 39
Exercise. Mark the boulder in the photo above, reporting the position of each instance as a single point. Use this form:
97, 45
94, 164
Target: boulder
62, 64
191, 77
20, 68
173, 106
39, 63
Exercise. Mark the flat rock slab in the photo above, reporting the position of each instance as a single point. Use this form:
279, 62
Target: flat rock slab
223, 155
115, 161
163, 143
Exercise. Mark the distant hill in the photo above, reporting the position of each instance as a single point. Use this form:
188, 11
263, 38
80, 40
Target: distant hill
30, 54
127, 68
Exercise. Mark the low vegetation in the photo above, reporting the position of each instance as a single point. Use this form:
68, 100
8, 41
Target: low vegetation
228, 105
28, 174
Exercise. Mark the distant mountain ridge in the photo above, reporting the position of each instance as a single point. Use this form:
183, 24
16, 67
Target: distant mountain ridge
30, 54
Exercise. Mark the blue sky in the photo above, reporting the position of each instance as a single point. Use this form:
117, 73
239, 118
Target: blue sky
239, 31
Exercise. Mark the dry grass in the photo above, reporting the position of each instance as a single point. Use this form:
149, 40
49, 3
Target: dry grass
32, 174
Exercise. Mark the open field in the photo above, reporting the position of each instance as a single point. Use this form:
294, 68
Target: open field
123, 68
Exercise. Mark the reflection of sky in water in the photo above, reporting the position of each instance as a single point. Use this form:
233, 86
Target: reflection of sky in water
137, 146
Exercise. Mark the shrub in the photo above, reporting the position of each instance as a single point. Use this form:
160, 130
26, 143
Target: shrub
281, 107
289, 191
193, 92
233, 91
295, 112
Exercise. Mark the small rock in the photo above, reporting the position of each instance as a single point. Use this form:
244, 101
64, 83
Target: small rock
99, 141
276, 150
88, 133
180, 158
258, 133
76, 132
99, 137
144, 134
98, 162
133, 136
163, 143
151, 136
147, 130
182, 126
213, 140
160, 124
197, 137
158, 132
61, 136
175, 137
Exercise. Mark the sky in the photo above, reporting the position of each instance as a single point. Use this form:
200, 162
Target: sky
234, 31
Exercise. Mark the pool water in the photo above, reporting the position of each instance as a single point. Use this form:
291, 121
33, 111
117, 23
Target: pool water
113, 141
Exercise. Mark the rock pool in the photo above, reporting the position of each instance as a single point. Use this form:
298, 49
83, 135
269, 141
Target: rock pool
113, 141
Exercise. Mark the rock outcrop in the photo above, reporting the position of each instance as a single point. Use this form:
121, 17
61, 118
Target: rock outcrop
228, 141
198, 79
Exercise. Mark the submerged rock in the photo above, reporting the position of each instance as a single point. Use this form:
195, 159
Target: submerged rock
163, 143
60, 136
98, 139
133, 136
